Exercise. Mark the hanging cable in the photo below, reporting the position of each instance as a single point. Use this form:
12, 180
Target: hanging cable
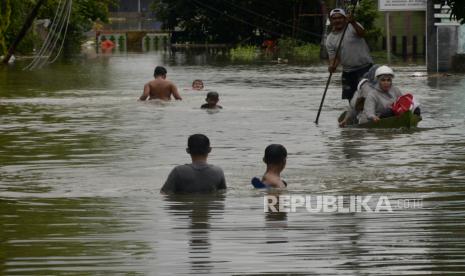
47, 41
64, 20
58, 29
272, 19
48, 54
64, 35
235, 17
239, 19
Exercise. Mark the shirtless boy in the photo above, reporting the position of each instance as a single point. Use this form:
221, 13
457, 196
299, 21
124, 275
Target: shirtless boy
275, 160
160, 88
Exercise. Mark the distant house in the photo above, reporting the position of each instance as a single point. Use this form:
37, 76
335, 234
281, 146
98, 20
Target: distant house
132, 15
140, 7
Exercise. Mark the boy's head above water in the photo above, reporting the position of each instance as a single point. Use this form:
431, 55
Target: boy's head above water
212, 99
197, 85
198, 144
159, 71
275, 154
212, 96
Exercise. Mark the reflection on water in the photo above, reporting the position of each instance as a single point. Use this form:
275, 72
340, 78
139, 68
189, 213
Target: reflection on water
198, 210
55, 235
82, 162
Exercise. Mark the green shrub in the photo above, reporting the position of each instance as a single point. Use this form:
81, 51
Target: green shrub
286, 47
244, 53
293, 49
307, 52
380, 57
366, 13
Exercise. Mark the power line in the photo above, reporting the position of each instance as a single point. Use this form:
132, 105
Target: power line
239, 19
235, 18
66, 31
60, 23
273, 20
48, 40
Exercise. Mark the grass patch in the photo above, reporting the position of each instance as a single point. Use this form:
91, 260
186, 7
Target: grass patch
287, 48
307, 52
297, 50
380, 57
244, 53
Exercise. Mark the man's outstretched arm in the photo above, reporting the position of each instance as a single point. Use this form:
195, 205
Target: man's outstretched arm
175, 92
146, 93
358, 28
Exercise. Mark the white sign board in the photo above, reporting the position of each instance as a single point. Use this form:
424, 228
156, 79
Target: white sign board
402, 5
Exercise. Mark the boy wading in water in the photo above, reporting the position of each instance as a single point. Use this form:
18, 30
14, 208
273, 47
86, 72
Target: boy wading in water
275, 159
160, 88
212, 100
199, 176
197, 85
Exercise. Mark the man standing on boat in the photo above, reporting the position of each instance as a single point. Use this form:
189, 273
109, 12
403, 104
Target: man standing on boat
354, 54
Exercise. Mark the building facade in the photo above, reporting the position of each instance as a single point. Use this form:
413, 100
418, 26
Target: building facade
132, 6
133, 15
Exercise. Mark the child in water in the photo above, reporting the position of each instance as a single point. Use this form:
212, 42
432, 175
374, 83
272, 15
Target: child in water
212, 101
197, 85
275, 160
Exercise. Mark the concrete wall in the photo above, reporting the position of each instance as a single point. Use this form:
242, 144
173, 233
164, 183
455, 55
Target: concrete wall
458, 63
133, 24
461, 46
132, 6
443, 38
405, 27
447, 46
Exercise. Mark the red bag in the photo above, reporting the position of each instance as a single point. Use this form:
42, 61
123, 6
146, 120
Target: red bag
402, 104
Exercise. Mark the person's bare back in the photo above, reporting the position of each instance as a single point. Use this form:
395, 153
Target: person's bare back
160, 88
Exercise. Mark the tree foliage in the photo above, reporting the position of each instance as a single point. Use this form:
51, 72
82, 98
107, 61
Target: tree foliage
83, 14
232, 21
5, 12
457, 9
19, 10
366, 13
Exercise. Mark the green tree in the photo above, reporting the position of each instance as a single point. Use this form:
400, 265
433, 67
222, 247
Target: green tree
83, 14
5, 12
19, 11
457, 9
366, 13
239, 21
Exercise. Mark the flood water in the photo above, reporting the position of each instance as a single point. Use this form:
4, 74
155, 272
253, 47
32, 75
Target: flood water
82, 163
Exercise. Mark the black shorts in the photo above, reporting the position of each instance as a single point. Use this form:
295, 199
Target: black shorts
350, 81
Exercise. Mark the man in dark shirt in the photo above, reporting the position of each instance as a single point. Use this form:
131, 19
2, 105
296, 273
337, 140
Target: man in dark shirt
197, 177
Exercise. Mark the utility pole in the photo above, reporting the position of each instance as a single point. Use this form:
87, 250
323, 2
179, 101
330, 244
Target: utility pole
431, 39
324, 20
388, 37
23, 31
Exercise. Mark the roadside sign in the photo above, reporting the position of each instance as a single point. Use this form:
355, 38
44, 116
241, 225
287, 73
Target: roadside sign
402, 5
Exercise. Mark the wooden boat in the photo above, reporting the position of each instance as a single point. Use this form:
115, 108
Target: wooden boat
406, 120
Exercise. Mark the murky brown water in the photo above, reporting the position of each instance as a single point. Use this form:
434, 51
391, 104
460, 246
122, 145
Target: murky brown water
82, 162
